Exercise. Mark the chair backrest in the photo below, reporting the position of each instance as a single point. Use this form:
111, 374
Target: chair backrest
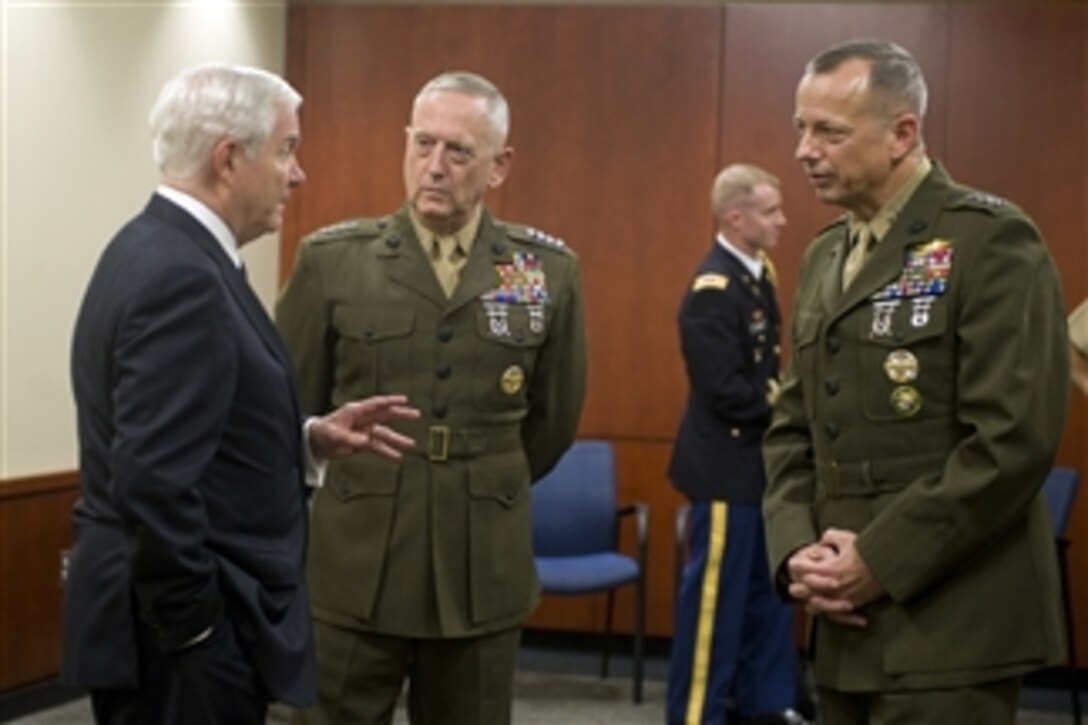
574, 505
1060, 489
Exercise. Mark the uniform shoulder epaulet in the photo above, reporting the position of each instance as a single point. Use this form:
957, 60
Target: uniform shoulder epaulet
351, 228
980, 200
710, 280
533, 235
836, 222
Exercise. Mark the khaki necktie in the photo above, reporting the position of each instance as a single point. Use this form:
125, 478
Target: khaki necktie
447, 260
859, 252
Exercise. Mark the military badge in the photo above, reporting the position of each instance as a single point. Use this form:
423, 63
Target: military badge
901, 366
536, 318
919, 315
498, 320
512, 379
710, 280
906, 400
882, 317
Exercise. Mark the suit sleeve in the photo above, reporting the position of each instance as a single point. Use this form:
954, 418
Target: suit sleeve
175, 366
717, 355
1012, 383
559, 381
303, 321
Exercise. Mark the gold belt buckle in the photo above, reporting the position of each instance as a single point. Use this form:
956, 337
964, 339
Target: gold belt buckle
438, 442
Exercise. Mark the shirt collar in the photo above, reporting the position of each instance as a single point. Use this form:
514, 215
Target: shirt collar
465, 236
755, 266
208, 218
885, 218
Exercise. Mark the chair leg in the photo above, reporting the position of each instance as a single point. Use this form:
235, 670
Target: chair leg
640, 629
606, 651
1071, 639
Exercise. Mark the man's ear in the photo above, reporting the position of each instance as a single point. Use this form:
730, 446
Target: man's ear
732, 216
225, 156
501, 167
905, 132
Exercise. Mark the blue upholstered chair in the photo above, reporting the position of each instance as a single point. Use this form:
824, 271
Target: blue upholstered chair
1060, 489
575, 538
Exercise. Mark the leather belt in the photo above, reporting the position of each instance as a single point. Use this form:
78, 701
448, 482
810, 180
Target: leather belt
443, 442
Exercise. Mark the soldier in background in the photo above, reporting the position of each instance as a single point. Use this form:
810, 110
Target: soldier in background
732, 641
423, 570
918, 419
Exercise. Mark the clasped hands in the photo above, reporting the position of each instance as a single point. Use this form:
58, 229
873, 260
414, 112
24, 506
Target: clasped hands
831, 579
359, 426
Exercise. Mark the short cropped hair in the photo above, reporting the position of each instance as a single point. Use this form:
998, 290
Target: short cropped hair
476, 86
736, 182
202, 105
893, 72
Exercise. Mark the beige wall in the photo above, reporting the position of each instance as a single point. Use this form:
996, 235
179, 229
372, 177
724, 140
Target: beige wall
78, 79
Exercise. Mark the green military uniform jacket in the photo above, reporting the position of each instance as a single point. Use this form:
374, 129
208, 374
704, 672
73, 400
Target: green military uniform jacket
922, 409
437, 544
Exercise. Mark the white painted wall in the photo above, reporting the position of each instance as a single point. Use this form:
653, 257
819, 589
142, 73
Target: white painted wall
77, 79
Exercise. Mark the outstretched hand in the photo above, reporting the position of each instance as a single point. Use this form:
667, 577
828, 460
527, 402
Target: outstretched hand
359, 426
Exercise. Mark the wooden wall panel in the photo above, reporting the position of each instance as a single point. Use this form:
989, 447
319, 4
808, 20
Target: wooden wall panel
621, 117
1017, 127
599, 130
617, 139
34, 529
759, 86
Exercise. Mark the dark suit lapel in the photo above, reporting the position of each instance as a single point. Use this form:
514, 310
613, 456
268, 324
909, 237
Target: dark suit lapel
241, 291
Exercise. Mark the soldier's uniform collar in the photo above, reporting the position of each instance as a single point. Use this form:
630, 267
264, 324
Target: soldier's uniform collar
754, 266
465, 236
883, 220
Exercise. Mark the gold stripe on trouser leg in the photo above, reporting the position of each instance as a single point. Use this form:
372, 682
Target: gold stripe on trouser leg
708, 604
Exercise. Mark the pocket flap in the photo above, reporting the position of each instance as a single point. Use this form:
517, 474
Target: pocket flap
372, 325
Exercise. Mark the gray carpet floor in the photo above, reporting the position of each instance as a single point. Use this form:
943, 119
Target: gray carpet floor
543, 698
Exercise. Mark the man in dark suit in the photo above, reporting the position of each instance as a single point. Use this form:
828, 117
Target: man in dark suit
920, 416
422, 570
732, 640
185, 598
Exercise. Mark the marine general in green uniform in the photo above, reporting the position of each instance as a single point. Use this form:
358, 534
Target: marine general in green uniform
919, 417
422, 570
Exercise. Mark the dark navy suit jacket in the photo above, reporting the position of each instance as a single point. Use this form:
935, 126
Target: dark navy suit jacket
193, 511
729, 335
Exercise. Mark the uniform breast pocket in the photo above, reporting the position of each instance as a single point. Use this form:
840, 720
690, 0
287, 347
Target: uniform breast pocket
371, 345
505, 348
907, 360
